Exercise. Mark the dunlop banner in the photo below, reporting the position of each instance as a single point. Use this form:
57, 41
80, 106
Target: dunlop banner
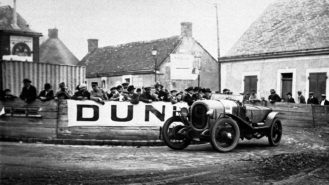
90, 113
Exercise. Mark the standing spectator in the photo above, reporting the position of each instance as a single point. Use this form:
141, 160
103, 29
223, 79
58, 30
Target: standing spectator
147, 96
125, 87
253, 96
97, 94
139, 91
290, 99
301, 98
113, 92
132, 97
121, 96
207, 94
163, 95
312, 99
179, 97
173, 96
7, 95
82, 93
226, 91
188, 97
273, 97
46, 94
64, 92
29, 92
324, 101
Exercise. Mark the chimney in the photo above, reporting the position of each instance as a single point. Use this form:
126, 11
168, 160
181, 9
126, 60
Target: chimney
186, 29
92, 45
14, 23
53, 33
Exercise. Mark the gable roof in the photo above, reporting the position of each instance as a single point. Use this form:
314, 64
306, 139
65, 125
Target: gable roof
286, 25
54, 51
128, 58
6, 17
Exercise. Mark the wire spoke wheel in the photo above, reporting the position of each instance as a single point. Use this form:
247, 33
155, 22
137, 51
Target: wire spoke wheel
275, 133
225, 135
173, 133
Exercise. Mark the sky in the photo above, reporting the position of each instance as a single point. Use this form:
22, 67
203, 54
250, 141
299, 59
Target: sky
116, 22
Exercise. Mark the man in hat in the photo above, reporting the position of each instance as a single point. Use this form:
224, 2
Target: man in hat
324, 101
290, 99
97, 94
132, 97
273, 97
312, 99
113, 92
188, 98
207, 94
64, 92
301, 98
29, 92
147, 96
82, 93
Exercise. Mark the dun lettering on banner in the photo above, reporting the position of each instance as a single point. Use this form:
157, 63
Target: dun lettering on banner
89, 113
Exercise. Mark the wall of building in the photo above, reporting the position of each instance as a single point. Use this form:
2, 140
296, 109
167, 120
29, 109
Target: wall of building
208, 72
13, 73
269, 72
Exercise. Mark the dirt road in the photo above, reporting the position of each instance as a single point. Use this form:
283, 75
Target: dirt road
302, 157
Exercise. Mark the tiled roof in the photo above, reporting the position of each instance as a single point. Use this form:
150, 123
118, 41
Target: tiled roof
286, 25
53, 51
6, 17
126, 58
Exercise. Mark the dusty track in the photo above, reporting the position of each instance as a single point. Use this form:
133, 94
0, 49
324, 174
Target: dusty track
302, 157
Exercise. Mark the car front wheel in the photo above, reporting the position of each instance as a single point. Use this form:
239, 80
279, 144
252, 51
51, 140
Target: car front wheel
173, 133
275, 133
225, 135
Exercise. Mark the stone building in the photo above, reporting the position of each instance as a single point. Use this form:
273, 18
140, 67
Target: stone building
286, 49
17, 41
176, 65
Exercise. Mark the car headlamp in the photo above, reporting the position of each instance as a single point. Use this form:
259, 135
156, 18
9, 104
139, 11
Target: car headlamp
210, 113
184, 112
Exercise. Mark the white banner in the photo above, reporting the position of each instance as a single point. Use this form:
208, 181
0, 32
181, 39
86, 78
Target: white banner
21, 48
183, 67
90, 113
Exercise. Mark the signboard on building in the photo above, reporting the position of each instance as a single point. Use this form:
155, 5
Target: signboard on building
20, 49
183, 67
90, 113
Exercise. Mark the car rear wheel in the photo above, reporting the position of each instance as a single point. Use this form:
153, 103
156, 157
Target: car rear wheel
275, 133
225, 135
173, 133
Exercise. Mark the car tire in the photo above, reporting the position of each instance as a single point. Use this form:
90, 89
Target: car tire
275, 133
225, 135
167, 135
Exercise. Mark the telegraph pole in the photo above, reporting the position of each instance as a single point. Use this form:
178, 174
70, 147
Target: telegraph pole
218, 51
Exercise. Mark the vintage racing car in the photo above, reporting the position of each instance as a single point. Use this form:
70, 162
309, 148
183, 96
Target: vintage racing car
222, 121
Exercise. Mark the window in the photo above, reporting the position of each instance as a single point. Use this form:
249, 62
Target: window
317, 83
250, 84
286, 81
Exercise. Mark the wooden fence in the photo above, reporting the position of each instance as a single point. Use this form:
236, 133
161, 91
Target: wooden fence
50, 120
12, 74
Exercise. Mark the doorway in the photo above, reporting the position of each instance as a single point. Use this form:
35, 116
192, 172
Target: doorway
317, 84
286, 81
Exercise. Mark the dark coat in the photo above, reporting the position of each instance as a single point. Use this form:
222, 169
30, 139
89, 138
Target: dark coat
146, 97
301, 99
84, 94
290, 100
29, 94
48, 96
189, 99
326, 102
133, 98
312, 100
274, 98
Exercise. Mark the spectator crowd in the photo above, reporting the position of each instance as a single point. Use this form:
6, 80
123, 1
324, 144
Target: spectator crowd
129, 93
